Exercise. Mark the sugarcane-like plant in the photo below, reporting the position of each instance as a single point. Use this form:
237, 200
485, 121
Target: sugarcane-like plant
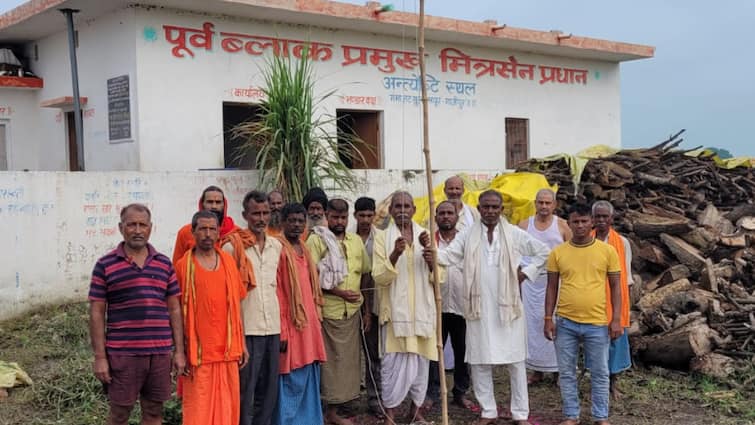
297, 144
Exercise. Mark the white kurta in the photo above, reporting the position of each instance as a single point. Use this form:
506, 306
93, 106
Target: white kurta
489, 341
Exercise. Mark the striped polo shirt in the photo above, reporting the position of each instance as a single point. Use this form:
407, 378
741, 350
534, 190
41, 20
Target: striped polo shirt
137, 309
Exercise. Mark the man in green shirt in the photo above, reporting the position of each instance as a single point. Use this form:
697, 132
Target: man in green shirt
340, 376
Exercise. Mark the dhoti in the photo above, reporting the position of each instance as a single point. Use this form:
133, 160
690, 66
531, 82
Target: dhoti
403, 374
211, 395
541, 353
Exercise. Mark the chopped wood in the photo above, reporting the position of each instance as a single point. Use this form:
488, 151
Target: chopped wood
737, 240
713, 364
701, 238
684, 252
654, 300
747, 223
677, 347
709, 279
646, 225
691, 228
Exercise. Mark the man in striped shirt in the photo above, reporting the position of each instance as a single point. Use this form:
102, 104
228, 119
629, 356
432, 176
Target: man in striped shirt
135, 287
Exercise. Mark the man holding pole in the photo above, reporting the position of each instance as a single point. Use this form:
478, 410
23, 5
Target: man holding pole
407, 309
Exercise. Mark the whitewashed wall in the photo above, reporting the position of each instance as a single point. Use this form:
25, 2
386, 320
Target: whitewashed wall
176, 102
106, 50
180, 112
55, 225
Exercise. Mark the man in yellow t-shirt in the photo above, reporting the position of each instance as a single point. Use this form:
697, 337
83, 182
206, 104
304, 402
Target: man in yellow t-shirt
340, 376
577, 274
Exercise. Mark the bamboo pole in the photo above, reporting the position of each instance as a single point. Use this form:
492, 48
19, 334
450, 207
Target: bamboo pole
433, 244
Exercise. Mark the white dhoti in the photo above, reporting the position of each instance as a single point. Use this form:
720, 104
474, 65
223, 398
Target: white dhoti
403, 374
541, 353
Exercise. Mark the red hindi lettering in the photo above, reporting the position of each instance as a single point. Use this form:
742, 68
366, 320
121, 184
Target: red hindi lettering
452, 59
385, 57
348, 59
199, 38
549, 74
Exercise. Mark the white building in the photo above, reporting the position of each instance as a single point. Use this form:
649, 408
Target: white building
160, 83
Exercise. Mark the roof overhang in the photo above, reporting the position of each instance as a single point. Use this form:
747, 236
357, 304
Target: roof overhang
37, 19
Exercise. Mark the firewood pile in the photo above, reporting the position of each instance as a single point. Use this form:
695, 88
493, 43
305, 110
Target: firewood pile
691, 225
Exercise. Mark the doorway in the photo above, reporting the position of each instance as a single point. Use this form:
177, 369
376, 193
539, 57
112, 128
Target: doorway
236, 153
73, 148
365, 126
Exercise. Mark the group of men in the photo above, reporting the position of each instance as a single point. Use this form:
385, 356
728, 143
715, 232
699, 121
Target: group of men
266, 324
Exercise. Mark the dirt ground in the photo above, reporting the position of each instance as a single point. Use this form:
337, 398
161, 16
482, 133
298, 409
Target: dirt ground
651, 397
52, 346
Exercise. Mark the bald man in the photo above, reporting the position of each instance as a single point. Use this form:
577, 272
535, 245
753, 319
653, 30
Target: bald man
454, 189
552, 231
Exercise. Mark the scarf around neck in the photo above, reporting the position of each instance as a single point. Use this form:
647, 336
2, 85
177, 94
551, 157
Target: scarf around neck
509, 301
296, 303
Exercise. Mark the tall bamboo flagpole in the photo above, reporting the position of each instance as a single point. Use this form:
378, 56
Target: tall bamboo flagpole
433, 244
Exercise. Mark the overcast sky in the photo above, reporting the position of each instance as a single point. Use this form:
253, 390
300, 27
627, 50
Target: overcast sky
702, 77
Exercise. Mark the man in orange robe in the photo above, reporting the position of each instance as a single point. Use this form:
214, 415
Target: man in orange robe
301, 344
212, 291
619, 355
212, 200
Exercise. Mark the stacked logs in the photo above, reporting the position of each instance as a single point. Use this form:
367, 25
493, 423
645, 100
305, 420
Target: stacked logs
691, 225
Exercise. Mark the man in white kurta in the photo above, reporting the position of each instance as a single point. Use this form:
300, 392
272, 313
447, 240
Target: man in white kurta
407, 309
491, 251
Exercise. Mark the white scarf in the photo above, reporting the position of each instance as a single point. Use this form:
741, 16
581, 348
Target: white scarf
509, 302
332, 268
423, 322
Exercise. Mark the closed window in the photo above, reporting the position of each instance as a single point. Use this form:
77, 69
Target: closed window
517, 141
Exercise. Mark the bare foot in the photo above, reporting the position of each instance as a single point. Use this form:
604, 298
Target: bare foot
484, 421
390, 415
415, 414
535, 378
428, 404
331, 417
463, 402
615, 394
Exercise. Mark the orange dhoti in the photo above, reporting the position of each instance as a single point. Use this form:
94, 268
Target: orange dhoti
211, 394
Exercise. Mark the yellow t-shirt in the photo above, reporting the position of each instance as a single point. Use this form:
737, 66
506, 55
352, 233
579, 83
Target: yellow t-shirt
583, 270
357, 262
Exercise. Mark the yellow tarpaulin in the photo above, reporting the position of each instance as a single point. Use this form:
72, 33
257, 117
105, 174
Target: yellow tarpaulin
518, 191
12, 375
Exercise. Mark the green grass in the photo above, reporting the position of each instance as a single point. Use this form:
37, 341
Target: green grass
52, 346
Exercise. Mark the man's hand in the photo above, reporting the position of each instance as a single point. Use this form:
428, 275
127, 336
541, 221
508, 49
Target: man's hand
424, 239
284, 346
102, 370
398, 249
549, 330
427, 254
615, 330
366, 321
244, 360
520, 275
179, 363
349, 296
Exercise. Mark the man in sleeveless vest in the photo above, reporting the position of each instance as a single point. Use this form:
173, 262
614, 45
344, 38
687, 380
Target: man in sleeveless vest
552, 231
